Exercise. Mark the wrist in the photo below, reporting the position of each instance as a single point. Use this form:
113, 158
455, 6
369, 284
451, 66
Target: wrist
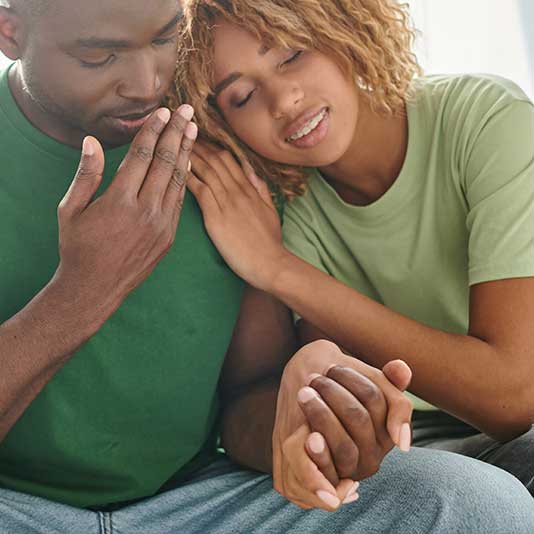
284, 265
78, 303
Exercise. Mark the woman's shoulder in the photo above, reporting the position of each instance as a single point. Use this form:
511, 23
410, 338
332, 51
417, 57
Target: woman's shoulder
461, 94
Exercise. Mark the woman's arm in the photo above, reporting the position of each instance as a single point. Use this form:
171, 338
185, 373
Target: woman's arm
483, 377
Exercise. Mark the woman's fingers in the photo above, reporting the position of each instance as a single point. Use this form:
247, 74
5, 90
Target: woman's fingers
319, 453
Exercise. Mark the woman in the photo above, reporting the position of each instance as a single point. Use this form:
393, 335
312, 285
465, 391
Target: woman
408, 231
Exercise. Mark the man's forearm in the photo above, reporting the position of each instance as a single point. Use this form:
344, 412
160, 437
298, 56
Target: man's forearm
248, 423
36, 342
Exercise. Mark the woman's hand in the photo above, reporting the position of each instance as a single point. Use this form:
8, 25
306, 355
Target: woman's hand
351, 416
239, 214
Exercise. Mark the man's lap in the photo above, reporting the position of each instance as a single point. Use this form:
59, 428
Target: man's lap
424, 491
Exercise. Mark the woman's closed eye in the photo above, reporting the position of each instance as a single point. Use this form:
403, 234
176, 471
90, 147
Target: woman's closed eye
241, 102
293, 57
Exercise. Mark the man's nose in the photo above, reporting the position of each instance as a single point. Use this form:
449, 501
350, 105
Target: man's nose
142, 81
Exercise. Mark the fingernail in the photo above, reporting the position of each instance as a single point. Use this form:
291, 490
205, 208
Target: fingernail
316, 443
354, 489
88, 148
312, 377
405, 437
189, 166
186, 111
328, 498
307, 394
191, 130
163, 115
351, 498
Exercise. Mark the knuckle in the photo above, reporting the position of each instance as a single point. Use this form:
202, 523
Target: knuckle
187, 144
358, 414
178, 178
86, 172
166, 156
178, 123
369, 392
142, 152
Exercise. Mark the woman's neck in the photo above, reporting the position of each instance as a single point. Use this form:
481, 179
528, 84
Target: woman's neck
374, 159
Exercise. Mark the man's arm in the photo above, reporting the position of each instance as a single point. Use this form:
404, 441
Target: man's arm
354, 412
107, 248
264, 340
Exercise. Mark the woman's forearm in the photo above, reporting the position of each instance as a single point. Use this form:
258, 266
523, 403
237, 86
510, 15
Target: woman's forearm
461, 374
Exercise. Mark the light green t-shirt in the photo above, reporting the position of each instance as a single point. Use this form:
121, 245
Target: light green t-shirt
461, 211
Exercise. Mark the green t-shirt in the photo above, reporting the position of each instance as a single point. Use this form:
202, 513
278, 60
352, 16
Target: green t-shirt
136, 406
460, 212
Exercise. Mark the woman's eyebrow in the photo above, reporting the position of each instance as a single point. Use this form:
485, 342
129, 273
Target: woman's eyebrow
231, 78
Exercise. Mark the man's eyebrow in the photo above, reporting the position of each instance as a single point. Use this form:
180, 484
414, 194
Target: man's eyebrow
231, 78
98, 42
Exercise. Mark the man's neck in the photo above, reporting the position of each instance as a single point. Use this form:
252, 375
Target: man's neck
38, 117
374, 159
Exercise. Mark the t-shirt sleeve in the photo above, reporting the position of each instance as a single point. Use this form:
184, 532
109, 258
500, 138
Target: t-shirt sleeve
499, 190
300, 240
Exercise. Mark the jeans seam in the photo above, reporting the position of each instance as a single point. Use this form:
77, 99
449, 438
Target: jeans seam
104, 519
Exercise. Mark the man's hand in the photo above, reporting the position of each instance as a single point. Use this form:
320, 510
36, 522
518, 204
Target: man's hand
108, 246
341, 435
350, 410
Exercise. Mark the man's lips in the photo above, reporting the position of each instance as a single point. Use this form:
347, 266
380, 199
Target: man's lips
137, 114
301, 121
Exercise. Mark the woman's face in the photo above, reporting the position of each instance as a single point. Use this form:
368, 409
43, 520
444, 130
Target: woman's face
290, 106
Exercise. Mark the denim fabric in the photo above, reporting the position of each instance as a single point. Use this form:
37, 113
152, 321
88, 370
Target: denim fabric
438, 430
422, 492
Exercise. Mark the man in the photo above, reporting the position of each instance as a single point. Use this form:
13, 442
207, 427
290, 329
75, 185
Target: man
111, 353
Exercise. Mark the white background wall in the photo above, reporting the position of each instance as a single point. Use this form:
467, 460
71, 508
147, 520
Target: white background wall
493, 36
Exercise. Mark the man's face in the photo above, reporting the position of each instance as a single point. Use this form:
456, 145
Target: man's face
100, 67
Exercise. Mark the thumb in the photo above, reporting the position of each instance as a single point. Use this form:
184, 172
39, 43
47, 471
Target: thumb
398, 373
87, 179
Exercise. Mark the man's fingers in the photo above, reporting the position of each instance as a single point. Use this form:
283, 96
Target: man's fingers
133, 170
174, 196
365, 391
319, 453
398, 373
165, 158
321, 419
87, 179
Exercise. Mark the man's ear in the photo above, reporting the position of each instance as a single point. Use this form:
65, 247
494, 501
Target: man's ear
10, 33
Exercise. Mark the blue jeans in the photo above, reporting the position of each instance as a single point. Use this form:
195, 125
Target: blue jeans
439, 430
422, 492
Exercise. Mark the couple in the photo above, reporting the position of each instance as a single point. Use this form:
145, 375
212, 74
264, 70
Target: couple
128, 352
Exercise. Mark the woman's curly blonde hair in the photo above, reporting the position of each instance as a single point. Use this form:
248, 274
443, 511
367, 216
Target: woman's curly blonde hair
371, 40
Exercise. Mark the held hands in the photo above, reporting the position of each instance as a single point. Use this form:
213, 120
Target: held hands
108, 246
239, 214
351, 416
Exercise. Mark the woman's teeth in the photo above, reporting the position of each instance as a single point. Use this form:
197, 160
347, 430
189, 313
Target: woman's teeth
309, 127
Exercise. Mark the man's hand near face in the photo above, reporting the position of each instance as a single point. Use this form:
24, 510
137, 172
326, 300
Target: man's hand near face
107, 247
110, 245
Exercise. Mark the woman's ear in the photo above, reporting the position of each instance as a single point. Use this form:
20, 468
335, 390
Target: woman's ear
10, 26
